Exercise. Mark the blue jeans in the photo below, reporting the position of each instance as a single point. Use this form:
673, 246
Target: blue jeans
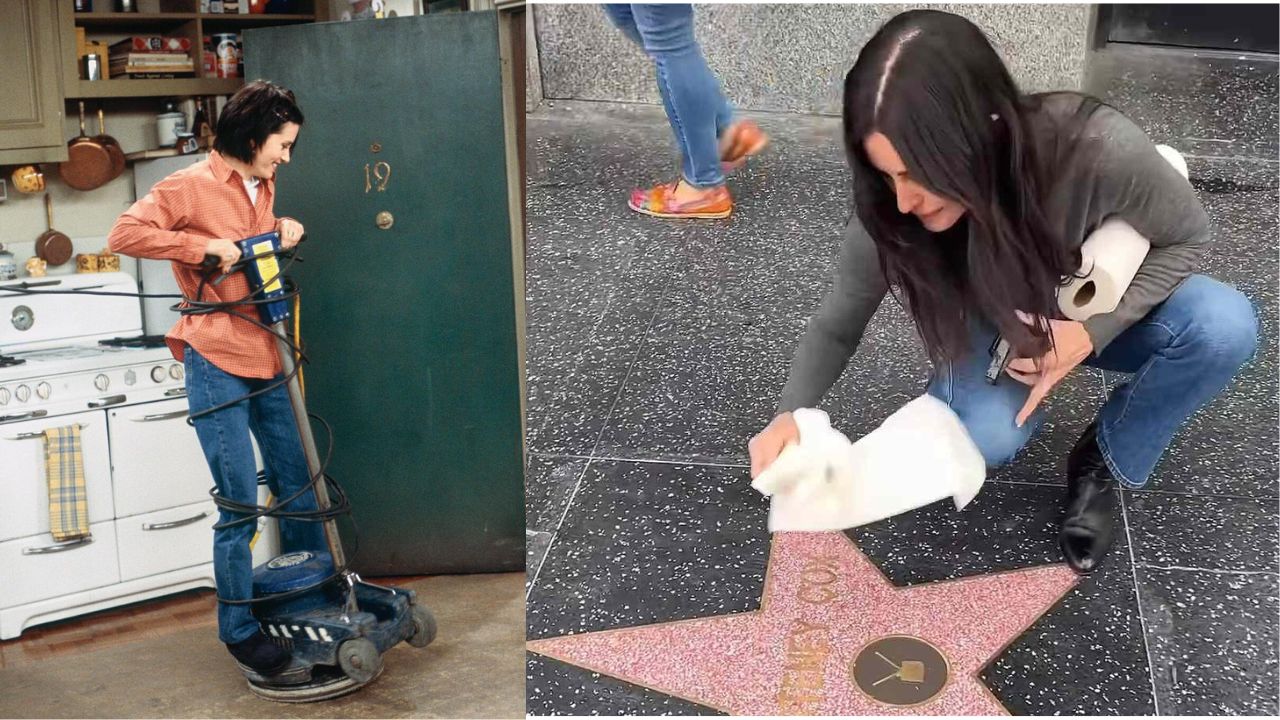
224, 436
1181, 355
697, 110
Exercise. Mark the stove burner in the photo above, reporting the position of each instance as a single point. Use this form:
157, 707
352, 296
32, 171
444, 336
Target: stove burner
7, 360
141, 341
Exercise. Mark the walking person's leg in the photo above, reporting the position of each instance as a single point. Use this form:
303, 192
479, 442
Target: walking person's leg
738, 139
696, 110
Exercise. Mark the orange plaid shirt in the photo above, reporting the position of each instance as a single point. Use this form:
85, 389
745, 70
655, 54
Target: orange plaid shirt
174, 222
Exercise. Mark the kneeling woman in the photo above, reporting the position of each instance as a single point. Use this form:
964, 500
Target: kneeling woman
199, 211
972, 200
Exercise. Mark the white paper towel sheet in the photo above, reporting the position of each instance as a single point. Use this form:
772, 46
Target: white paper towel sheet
919, 455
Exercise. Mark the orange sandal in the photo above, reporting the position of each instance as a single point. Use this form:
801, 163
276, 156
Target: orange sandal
740, 141
659, 201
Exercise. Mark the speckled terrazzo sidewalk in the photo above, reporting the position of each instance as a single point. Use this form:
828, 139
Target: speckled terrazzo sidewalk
657, 348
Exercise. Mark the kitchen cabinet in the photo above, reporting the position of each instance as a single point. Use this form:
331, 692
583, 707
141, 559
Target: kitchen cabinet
41, 65
177, 18
407, 180
31, 113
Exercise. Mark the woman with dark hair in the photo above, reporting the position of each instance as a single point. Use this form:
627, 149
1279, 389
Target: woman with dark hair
202, 210
972, 201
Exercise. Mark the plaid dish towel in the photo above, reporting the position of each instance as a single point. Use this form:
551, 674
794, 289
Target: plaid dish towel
68, 500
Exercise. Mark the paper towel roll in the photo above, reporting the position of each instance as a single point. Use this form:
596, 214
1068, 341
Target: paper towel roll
1175, 159
1110, 257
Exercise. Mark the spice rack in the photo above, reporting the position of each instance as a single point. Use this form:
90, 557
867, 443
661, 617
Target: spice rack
173, 18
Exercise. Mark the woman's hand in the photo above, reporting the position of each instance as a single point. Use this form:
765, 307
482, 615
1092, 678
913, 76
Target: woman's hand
290, 232
226, 251
765, 447
1071, 345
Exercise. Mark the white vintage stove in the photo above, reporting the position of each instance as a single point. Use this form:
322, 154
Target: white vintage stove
146, 478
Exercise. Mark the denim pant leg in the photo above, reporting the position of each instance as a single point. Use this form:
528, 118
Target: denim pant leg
224, 436
1182, 354
623, 18
271, 419
696, 108
987, 411
620, 15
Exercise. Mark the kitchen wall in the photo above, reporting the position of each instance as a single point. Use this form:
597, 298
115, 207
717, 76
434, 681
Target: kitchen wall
85, 216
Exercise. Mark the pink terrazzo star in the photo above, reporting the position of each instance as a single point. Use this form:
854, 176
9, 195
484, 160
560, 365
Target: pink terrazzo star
823, 603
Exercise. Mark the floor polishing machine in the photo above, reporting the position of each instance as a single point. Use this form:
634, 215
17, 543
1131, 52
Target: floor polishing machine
336, 625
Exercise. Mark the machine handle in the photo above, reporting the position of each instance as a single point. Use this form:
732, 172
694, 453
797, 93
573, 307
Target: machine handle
106, 401
175, 523
161, 416
23, 416
176, 392
59, 547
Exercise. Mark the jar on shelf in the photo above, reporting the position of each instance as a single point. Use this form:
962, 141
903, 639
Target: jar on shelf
8, 267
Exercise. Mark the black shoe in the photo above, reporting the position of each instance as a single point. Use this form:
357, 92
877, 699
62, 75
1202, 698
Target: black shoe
1086, 530
260, 654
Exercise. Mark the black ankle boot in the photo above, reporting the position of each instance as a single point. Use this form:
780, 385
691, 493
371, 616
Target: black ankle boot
1086, 530
260, 654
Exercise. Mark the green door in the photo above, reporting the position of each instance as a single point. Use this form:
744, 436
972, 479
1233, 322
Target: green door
410, 330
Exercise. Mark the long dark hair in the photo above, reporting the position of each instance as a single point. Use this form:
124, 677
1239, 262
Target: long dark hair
931, 82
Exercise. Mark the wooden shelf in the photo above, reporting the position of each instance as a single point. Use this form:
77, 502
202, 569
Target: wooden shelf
258, 19
151, 154
175, 87
179, 20
103, 19
113, 19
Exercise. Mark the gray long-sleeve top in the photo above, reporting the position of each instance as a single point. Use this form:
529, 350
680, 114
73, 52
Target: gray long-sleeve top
1123, 176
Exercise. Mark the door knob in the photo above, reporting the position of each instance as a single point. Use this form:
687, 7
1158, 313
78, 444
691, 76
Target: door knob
384, 220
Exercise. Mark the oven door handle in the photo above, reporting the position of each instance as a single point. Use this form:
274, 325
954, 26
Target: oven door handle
58, 547
23, 416
161, 416
176, 392
35, 435
175, 523
107, 401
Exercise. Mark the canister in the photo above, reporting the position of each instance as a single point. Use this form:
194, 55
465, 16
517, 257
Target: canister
108, 261
36, 267
226, 55
92, 66
168, 124
187, 143
8, 268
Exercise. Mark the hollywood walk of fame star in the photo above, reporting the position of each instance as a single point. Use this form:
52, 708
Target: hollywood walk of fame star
824, 604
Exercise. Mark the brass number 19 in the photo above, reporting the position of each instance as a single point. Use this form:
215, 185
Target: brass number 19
379, 172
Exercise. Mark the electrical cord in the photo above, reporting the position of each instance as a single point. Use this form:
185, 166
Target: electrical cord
339, 503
